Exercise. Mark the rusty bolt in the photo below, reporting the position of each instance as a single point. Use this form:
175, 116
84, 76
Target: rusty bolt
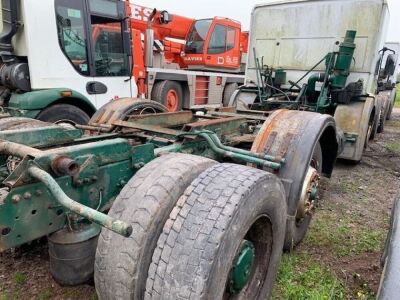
95, 178
78, 182
86, 180
16, 199
27, 196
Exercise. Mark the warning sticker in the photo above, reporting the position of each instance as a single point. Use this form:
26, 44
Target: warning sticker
74, 13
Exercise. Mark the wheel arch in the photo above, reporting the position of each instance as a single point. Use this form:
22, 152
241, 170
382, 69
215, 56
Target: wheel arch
39, 100
294, 135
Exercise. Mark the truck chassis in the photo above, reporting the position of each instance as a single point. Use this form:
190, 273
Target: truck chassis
177, 195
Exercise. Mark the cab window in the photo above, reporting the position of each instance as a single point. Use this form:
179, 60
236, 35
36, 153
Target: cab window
110, 58
197, 37
222, 40
93, 40
72, 33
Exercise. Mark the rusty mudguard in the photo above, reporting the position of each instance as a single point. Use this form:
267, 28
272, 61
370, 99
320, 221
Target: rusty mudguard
294, 135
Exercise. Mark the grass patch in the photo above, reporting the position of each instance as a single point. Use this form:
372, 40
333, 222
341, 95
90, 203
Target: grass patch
397, 104
345, 237
300, 277
46, 295
393, 123
393, 147
20, 278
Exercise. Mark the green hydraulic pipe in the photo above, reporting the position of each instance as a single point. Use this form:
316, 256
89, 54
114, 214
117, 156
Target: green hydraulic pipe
92, 215
245, 156
312, 82
249, 159
344, 60
245, 152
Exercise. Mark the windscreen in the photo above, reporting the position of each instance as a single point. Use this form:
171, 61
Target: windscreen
197, 36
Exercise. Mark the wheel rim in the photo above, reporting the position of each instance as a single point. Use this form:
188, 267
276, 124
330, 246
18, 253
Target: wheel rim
249, 268
68, 124
309, 195
172, 101
143, 110
241, 269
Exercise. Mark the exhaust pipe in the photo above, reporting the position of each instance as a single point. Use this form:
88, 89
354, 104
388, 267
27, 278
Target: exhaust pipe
9, 10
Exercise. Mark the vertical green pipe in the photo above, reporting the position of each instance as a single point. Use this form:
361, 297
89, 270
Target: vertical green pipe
344, 60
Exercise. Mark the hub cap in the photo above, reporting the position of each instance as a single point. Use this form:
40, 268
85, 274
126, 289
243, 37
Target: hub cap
172, 101
309, 194
241, 267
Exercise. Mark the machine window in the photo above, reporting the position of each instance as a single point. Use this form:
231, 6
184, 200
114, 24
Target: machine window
222, 40
198, 36
72, 34
230, 38
218, 40
109, 55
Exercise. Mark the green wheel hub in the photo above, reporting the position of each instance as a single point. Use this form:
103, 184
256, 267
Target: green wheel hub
241, 267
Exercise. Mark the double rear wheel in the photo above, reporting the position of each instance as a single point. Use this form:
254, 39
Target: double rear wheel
202, 230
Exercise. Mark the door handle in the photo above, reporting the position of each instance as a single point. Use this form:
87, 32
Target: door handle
96, 88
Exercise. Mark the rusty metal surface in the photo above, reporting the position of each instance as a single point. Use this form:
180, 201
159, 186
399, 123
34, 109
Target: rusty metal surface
276, 134
111, 112
210, 124
164, 119
149, 128
18, 150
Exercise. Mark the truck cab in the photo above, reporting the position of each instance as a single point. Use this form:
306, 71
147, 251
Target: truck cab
63, 59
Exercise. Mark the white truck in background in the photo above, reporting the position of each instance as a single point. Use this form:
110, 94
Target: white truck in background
289, 38
389, 81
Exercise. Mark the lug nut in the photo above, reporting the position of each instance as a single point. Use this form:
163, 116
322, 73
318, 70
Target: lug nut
16, 199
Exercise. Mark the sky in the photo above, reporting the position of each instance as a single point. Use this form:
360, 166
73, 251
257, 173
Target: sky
241, 10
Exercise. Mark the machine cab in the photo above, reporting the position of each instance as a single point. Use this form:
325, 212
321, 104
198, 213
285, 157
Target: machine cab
83, 46
213, 43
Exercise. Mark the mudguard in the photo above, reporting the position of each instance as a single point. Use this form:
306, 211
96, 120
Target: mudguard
390, 281
354, 120
119, 109
38, 100
293, 135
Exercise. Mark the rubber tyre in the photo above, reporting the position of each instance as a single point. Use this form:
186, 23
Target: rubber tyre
160, 94
389, 115
296, 231
230, 88
375, 126
145, 202
64, 113
382, 121
199, 241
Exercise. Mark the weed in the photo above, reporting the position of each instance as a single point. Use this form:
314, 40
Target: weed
393, 147
300, 277
397, 104
45, 295
20, 278
345, 236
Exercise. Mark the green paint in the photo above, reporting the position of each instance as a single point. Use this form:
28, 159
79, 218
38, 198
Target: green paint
30, 210
241, 268
34, 102
44, 136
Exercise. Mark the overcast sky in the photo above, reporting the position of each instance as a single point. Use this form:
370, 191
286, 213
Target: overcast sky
241, 10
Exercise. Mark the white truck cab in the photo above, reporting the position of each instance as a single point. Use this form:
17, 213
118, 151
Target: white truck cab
58, 64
